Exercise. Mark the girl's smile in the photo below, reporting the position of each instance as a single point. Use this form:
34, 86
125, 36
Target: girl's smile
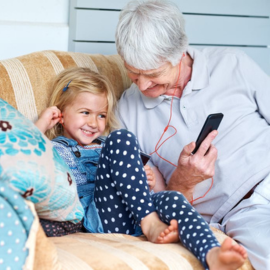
85, 118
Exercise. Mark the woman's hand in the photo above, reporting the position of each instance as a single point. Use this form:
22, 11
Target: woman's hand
151, 179
48, 119
193, 169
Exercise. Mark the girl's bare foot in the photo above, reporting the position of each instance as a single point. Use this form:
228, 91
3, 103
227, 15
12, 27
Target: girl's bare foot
170, 234
158, 232
229, 256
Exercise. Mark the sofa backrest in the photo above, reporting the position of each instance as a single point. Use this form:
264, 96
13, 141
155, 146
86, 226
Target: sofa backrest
25, 80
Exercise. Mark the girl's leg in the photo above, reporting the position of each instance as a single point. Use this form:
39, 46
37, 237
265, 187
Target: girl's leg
123, 200
122, 194
194, 233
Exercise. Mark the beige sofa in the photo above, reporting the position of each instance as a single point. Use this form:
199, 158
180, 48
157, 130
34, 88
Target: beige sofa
24, 83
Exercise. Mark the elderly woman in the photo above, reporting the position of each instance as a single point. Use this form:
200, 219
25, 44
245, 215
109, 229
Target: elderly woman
174, 88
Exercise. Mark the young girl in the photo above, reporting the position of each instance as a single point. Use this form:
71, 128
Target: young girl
81, 110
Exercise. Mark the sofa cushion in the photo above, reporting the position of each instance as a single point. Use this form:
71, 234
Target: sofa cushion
31, 166
86, 251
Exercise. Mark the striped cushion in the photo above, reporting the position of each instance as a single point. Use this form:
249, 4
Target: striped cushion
84, 251
25, 80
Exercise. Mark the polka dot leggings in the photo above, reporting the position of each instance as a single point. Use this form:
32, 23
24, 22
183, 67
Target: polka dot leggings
122, 197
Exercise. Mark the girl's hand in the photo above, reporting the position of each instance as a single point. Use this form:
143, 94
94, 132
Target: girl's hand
151, 179
48, 119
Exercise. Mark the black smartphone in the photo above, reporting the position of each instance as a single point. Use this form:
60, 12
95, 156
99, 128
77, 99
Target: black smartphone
144, 157
211, 123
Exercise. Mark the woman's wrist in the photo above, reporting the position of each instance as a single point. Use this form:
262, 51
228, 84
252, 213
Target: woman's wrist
187, 192
181, 184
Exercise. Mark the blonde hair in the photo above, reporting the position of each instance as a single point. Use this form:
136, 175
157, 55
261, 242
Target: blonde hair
81, 80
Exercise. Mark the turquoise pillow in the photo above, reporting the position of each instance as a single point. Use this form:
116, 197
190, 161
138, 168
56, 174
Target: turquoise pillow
16, 221
31, 166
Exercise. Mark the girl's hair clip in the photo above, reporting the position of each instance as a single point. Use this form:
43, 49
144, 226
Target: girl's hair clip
66, 87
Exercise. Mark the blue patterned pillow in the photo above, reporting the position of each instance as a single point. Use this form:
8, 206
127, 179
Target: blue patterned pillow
16, 221
31, 166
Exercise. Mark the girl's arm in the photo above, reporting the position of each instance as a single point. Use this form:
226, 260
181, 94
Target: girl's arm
48, 119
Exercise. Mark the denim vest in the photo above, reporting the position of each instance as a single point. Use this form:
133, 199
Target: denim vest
86, 161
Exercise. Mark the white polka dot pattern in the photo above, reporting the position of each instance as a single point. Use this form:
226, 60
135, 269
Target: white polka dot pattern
128, 192
16, 219
126, 182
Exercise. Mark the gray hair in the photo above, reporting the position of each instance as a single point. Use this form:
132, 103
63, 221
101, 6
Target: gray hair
150, 33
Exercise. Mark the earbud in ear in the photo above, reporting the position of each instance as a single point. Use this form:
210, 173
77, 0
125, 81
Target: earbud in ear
61, 119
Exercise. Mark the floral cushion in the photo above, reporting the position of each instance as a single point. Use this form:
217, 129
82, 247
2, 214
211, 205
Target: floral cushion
31, 166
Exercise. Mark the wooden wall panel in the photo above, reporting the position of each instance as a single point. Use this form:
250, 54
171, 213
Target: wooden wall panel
201, 29
236, 7
243, 24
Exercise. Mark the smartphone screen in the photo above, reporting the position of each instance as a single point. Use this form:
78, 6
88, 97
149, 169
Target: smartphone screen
211, 123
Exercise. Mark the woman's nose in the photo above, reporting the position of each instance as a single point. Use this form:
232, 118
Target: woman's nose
143, 83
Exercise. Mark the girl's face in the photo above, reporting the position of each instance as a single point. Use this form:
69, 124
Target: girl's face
85, 118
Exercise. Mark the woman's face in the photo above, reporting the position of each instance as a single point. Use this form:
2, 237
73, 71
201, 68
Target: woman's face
155, 82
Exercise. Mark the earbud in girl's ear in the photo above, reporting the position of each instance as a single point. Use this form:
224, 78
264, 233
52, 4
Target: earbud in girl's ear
61, 118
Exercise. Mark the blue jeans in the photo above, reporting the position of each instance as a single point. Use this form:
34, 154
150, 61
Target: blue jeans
91, 221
